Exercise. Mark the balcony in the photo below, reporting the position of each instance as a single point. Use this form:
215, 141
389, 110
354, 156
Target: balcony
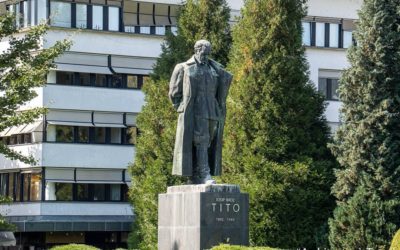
71, 155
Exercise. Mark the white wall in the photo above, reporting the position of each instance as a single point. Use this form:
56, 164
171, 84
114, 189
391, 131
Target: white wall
103, 42
334, 8
87, 155
31, 149
66, 208
91, 98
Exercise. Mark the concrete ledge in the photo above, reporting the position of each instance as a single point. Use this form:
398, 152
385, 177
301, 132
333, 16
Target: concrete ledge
204, 188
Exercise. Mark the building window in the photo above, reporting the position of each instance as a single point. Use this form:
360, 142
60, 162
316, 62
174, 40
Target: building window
113, 18
17, 183
115, 135
329, 88
131, 135
99, 191
60, 14
116, 81
3, 187
84, 79
144, 29
100, 135
115, 192
132, 82
320, 34
82, 192
307, 33
26, 184
63, 191
83, 134
97, 21
36, 187
347, 39
11, 185
81, 16
42, 10
64, 78
101, 80
64, 134
334, 35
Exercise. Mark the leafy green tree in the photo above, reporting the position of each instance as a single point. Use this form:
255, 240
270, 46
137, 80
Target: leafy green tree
23, 67
367, 145
151, 171
276, 134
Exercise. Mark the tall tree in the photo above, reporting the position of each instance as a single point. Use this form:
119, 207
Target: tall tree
23, 67
276, 134
367, 145
151, 171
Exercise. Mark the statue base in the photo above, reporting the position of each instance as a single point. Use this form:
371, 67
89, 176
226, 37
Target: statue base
202, 216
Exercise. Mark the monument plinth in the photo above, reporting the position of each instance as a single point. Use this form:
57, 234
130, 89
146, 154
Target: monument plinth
199, 217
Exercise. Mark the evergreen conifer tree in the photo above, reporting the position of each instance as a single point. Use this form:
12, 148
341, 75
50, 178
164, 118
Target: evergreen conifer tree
21, 70
276, 134
367, 145
151, 171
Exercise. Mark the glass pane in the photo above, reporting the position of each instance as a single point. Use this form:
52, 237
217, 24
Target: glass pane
18, 15
144, 29
64, 78
26, 186
33, 12
97, 17
17, 183
26, 11
27, 138
160, 30
42, 11
83, 134
113, 18
322, 86
116, 135
115, 190
99, 192
101, 80
20, 139
334, 35
81, 16
307, 33
132, 82
3, 188
63, 191
83, 192
13, 140
64, 134
100, 135
334, 89
131, 135
11, 185
84, 79
116, 81
347, 39
36, 187
60, 14
145, 79
320, 35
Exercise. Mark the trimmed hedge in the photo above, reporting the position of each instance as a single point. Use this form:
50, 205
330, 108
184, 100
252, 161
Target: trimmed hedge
74, 247
396, 242
229, 247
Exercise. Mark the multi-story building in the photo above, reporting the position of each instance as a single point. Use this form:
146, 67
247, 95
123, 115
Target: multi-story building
77, 190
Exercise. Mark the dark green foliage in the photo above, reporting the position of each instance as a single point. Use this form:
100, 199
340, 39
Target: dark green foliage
367, 145
151, 172
276, 135
21, 71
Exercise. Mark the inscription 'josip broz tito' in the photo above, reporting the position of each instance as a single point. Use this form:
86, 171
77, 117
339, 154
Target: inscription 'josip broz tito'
198, 91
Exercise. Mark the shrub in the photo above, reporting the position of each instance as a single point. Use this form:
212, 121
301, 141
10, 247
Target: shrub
229, 247
74, 247
396, 241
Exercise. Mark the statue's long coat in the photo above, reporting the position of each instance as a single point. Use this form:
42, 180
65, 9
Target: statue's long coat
182, 93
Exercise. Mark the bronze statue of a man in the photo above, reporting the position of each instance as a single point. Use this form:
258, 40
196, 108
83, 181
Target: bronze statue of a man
198, 91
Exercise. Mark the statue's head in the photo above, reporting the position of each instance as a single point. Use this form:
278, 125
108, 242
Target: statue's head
202, 50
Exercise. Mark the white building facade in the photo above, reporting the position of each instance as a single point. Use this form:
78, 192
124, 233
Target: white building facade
77, 190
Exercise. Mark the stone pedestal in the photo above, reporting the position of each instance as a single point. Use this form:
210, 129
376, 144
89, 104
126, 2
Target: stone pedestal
198, 217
